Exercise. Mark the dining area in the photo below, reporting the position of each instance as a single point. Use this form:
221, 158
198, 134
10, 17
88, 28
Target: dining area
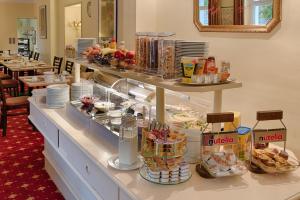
20, 75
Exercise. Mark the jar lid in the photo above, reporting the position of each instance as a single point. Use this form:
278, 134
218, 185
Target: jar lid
243, 130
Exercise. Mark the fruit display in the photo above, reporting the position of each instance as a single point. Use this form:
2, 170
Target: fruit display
124, 59
96, 54
91, 52
88, 100
120, 57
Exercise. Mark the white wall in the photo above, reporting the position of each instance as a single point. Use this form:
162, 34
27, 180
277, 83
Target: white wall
9, 13
146, 12
90, 25
268, 64
48, 47
127, 22
61, 25
72, 13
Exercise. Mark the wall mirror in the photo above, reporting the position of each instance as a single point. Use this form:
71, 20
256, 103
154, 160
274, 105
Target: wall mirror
237, 15
107, 19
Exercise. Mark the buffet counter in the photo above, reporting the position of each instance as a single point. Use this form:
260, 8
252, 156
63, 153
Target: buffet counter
76, 154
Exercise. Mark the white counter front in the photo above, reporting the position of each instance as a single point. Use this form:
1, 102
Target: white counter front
76, 154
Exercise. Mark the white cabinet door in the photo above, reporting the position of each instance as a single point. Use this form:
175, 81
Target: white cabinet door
91, 172
45, 126
72, 180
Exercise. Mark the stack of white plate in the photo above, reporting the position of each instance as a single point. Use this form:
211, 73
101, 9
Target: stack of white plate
57, 95
81, 89
189, 49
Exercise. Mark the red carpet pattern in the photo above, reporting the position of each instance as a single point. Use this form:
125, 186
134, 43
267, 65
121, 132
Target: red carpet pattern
22, 173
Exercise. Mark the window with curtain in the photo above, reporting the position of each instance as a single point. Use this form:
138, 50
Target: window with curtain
203, 12
262, 11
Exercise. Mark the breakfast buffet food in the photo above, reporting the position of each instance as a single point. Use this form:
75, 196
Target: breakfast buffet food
103, 106
163, 150
199, 70
154, 54
163, 143
273, 160
265, 158
180, 173
88, 100
219, 154
223, 163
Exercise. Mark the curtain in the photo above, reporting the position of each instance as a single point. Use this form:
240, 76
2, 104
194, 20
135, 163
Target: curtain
238, 12
214, 12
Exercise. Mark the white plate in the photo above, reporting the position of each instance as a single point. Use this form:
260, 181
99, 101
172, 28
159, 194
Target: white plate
114, 163
58, 87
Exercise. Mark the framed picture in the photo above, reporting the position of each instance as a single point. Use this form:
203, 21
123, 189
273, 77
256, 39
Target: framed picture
43, 21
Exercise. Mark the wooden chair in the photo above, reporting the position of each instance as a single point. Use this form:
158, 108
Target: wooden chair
57, 62
4, 76
9, 85
30, 55
11, 104
69, 66
36, 56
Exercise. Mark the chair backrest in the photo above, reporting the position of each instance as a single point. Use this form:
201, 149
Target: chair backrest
36, 56
2, 95
57, 62
30, 55
69, 66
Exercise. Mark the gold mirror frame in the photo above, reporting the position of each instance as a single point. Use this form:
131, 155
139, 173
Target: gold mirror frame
240, 28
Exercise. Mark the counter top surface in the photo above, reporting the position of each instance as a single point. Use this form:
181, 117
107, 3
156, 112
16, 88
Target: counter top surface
247, 187
172, 85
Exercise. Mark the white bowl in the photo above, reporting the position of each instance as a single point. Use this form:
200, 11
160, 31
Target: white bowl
104, 106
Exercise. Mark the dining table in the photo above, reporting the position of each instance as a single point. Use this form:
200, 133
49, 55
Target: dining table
15, 68
9, 57
32, 82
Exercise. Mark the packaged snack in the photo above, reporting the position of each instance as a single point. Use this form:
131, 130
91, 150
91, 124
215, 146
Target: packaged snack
163, 150
219, 155
265, 157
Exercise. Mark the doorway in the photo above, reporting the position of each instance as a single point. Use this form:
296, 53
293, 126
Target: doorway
26, 33
72, 25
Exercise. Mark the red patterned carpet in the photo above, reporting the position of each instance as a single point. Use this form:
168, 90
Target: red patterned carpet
22, 173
